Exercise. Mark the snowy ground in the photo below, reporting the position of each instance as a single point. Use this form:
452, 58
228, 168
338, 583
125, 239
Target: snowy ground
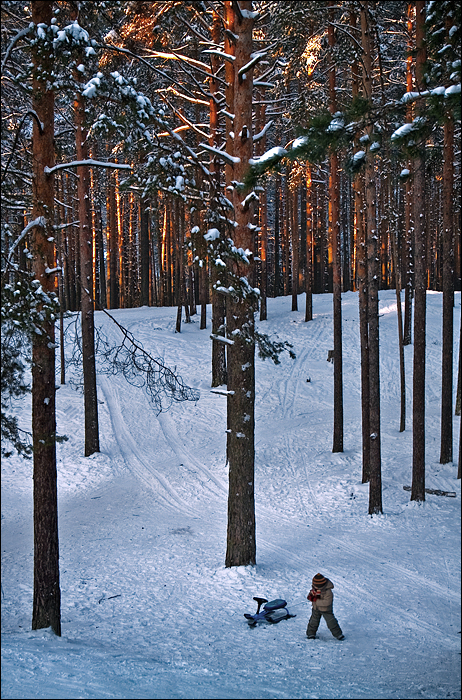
148, 608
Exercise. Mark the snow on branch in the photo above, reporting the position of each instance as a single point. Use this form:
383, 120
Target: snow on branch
232, 160
18, 36
221, 54
39, 221
30, 113
274, 154
222, 339
252, 197
90, 162
247, 14
253, 62
179, 57
261, 134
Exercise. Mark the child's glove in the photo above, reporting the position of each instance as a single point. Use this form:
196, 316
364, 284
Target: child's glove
313, 595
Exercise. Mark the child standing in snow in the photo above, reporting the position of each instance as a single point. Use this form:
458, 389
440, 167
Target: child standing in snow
322, 600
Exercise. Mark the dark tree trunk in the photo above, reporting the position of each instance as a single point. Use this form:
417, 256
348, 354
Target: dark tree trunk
241, 544
285, 219
144, 254
86, 284
309, 249
402, 374
113, 244
263, 217
293, 218
361, 275
363, 332
277, 236
418, 407
448, 294
47, 595
373, 275
459, 382
408, 227
219, 376
334, 194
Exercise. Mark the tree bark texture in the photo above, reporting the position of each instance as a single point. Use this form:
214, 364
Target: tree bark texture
408, 242
448, 294
113, 243
402, 373
241, 544
86, 284
47, 596
373, 275
418, 403
219, 376
334, 186
144, 253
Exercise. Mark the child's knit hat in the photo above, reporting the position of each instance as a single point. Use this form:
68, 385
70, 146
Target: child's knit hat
319, 581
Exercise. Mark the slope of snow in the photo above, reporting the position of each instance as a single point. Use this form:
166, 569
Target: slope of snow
148, 608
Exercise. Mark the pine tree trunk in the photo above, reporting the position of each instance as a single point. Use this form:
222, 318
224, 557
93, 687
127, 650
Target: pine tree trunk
241, 544
402, 373
309, 249
373, 274
86, 284
418, 408
144, 254
285, 216
47, 595
293, 218
154, 250
459, 383
219, 376
408, 242
113, 243
334, 194
459, 376
448, 294
177, 232
263, 217
360, 273
277, 236
363, 329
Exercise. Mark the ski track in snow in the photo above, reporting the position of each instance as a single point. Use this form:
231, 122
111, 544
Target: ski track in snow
133, 458
146, 520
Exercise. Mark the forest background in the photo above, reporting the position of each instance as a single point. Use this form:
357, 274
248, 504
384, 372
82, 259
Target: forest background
136, 141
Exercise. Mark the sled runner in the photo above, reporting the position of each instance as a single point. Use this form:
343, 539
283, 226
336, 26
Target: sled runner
272, 611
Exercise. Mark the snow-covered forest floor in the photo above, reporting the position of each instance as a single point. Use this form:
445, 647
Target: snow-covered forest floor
148, 608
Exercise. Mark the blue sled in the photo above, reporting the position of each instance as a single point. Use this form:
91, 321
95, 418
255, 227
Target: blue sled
273, 611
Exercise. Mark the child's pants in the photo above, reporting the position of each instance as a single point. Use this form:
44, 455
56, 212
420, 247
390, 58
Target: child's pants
330, 619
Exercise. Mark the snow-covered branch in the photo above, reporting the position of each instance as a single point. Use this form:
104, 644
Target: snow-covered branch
261, 134
39, 221
222, 339
90, 162
221, 54
232, 160
12, 44
253, 62
180, 57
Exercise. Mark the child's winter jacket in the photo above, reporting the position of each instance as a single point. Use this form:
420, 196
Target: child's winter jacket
325, 600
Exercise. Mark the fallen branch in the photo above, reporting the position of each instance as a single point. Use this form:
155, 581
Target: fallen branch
110, 597
435, 492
